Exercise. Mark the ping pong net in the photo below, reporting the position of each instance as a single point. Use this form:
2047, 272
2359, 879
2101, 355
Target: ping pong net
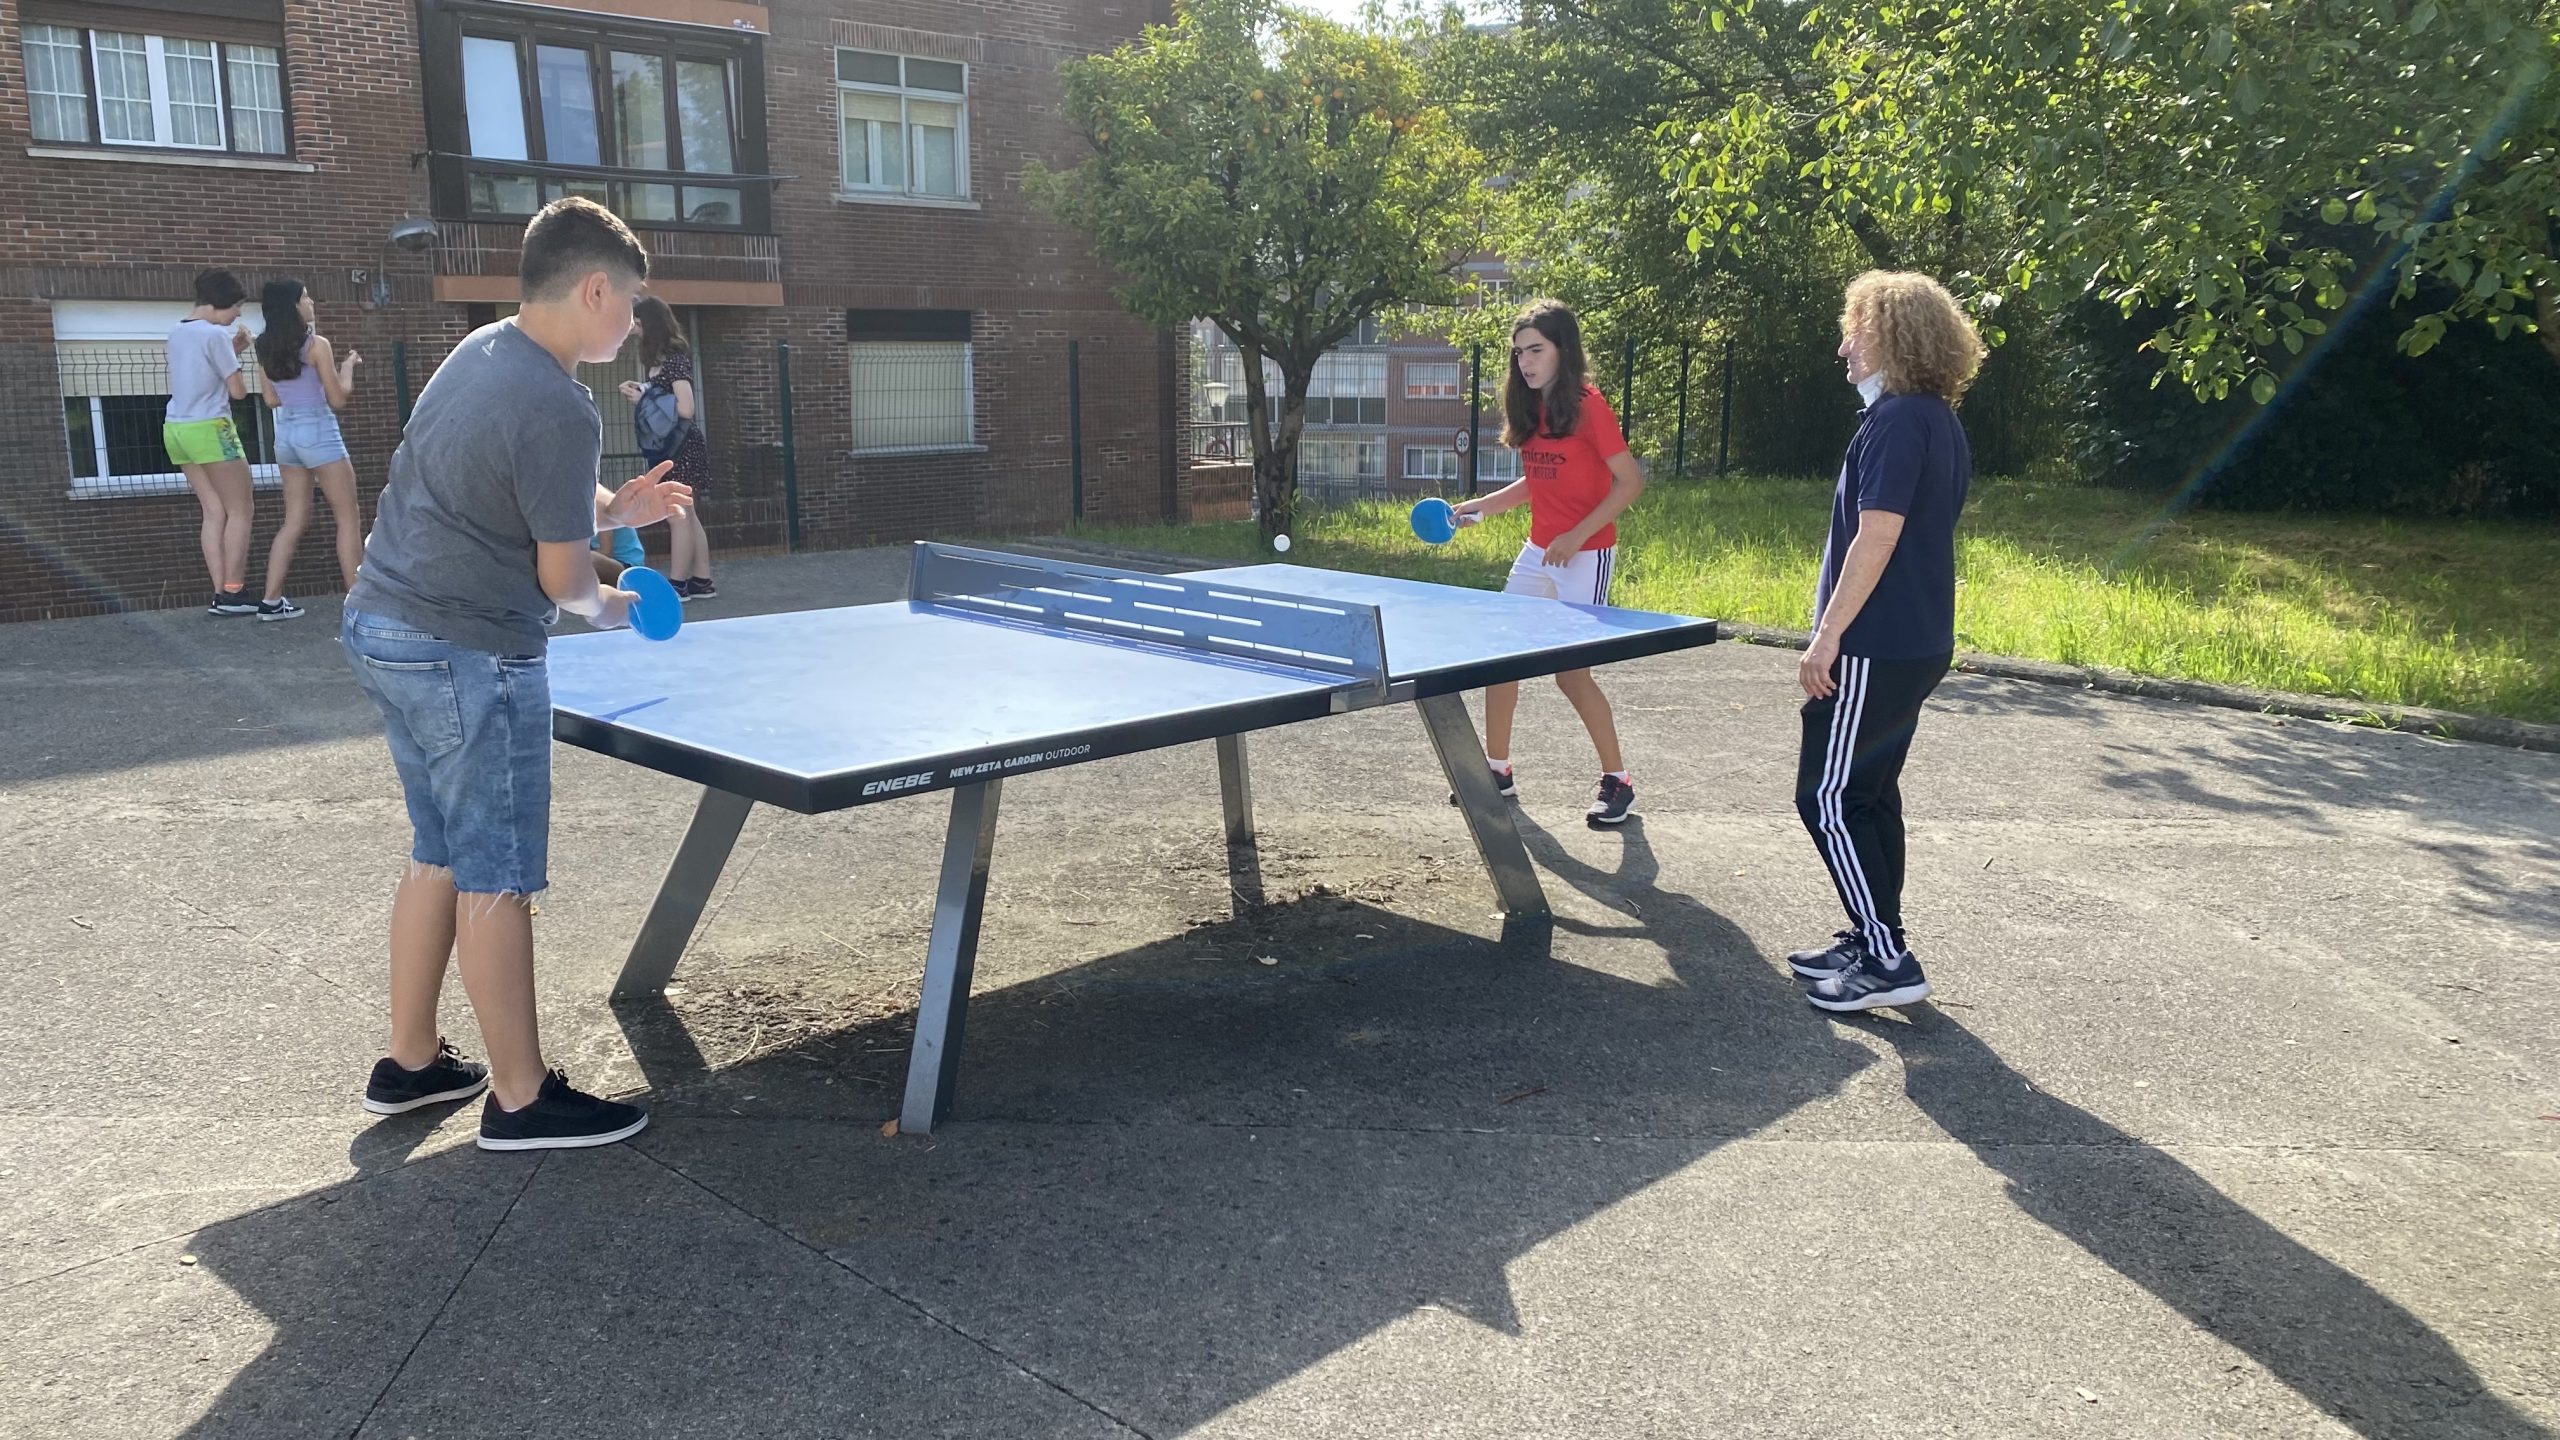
1209, 620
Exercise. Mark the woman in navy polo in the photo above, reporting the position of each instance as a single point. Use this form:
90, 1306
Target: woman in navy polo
1884, 620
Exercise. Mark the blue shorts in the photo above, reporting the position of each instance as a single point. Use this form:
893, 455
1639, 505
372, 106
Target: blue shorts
470, 734
623, 544
308, 436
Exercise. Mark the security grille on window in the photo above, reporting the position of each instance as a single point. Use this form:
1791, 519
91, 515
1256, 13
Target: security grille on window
111, 361
1431, 380
1430, 462
164, 92
1341, 460
904, 125
911, 380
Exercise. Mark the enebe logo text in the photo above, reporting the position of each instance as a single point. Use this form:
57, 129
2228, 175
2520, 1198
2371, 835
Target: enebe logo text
893, 786
1039, 757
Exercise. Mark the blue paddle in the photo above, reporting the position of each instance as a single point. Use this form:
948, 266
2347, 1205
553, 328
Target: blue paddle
656, 612
1434, 523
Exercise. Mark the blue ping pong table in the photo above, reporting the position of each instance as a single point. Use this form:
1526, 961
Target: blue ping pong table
1000, 664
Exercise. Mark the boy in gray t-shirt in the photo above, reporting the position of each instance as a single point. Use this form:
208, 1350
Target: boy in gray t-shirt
201, 441
481, 534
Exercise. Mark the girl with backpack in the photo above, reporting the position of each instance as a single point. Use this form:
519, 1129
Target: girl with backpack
667, 414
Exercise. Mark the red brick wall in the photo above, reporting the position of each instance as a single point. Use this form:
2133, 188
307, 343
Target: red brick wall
109, 229
105, 229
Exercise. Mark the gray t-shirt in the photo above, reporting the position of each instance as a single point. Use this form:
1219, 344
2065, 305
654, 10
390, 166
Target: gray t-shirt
500, 454
201, 364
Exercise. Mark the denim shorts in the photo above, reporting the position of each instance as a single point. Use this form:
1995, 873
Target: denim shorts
308, 436
470, 734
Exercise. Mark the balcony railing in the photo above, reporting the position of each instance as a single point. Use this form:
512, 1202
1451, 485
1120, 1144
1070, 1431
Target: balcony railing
494, 247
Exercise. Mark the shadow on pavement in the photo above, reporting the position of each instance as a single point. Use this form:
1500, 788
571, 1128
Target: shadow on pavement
2334, 1339
1165, 1188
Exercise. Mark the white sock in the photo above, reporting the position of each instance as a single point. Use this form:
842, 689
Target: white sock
1502, 765
1623, 777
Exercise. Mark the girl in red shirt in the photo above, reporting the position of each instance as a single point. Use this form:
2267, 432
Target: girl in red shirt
1576, 476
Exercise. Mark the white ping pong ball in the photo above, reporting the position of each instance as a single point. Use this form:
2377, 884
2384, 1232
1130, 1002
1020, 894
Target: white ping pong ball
1280, 543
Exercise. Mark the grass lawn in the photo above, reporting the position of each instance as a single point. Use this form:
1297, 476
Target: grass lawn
2453, 614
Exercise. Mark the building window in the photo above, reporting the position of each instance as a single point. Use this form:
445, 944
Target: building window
1430, 462
57, 85
1497, 465
1341, 461
111, 360
1431, 380
166, 92
911, 380
903, 125
1365, 333
604, 103
1348, 389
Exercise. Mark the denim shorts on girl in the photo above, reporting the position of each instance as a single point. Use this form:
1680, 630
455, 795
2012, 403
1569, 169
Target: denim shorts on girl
470, 734
307, 435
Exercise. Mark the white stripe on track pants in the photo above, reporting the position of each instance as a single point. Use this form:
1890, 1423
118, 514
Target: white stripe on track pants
1848, 784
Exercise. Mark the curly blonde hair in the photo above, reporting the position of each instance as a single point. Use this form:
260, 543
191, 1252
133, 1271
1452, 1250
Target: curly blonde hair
1924, 344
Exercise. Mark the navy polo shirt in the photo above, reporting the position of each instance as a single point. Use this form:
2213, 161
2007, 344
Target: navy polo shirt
1909, 457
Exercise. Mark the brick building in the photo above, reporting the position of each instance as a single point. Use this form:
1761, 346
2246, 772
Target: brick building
1384, 410
841, 178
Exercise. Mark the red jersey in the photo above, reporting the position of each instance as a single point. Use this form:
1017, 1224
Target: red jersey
1569, 475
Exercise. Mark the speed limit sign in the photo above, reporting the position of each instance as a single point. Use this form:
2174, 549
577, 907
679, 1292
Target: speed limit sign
1463, 441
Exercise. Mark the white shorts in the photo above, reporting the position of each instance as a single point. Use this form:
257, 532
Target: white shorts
1583, 580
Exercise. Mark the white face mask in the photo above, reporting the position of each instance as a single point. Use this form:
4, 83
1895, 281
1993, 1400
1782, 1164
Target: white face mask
1870, 388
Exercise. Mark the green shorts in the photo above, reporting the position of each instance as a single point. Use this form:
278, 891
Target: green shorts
200, 442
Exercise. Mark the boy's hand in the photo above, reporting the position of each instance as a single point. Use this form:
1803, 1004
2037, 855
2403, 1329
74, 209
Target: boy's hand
648, 499
617, 608
241, 339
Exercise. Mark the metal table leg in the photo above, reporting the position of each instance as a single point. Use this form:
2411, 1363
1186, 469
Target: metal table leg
681, 896
1235, 792
1453, 734
959, 903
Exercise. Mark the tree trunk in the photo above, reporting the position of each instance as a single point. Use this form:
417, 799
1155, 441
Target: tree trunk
2546, 318
1275, 445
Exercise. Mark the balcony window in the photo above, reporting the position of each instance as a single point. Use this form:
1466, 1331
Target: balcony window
646, 114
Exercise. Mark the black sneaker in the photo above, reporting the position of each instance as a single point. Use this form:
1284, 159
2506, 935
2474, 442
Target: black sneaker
1869, 984
703, 589
231, 602
280, 608
1617, 801
560, 1118
1843, 951
394, 1091
1504, 784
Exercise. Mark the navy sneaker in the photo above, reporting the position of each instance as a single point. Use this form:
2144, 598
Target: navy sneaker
1869, 984
1617, 801
1843, 952
1504, 784
232, 602
701, 588
395, 1091
280, 608
561, 1117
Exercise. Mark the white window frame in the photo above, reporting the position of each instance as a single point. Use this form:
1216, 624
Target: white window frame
1448, 467
968, 401
1497, 464
48, 37
906, 188
1453, 390
155, 64
134, 322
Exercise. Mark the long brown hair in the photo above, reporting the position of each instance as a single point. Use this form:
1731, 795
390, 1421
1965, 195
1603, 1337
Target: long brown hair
280, 344
660, 335
1521, 411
